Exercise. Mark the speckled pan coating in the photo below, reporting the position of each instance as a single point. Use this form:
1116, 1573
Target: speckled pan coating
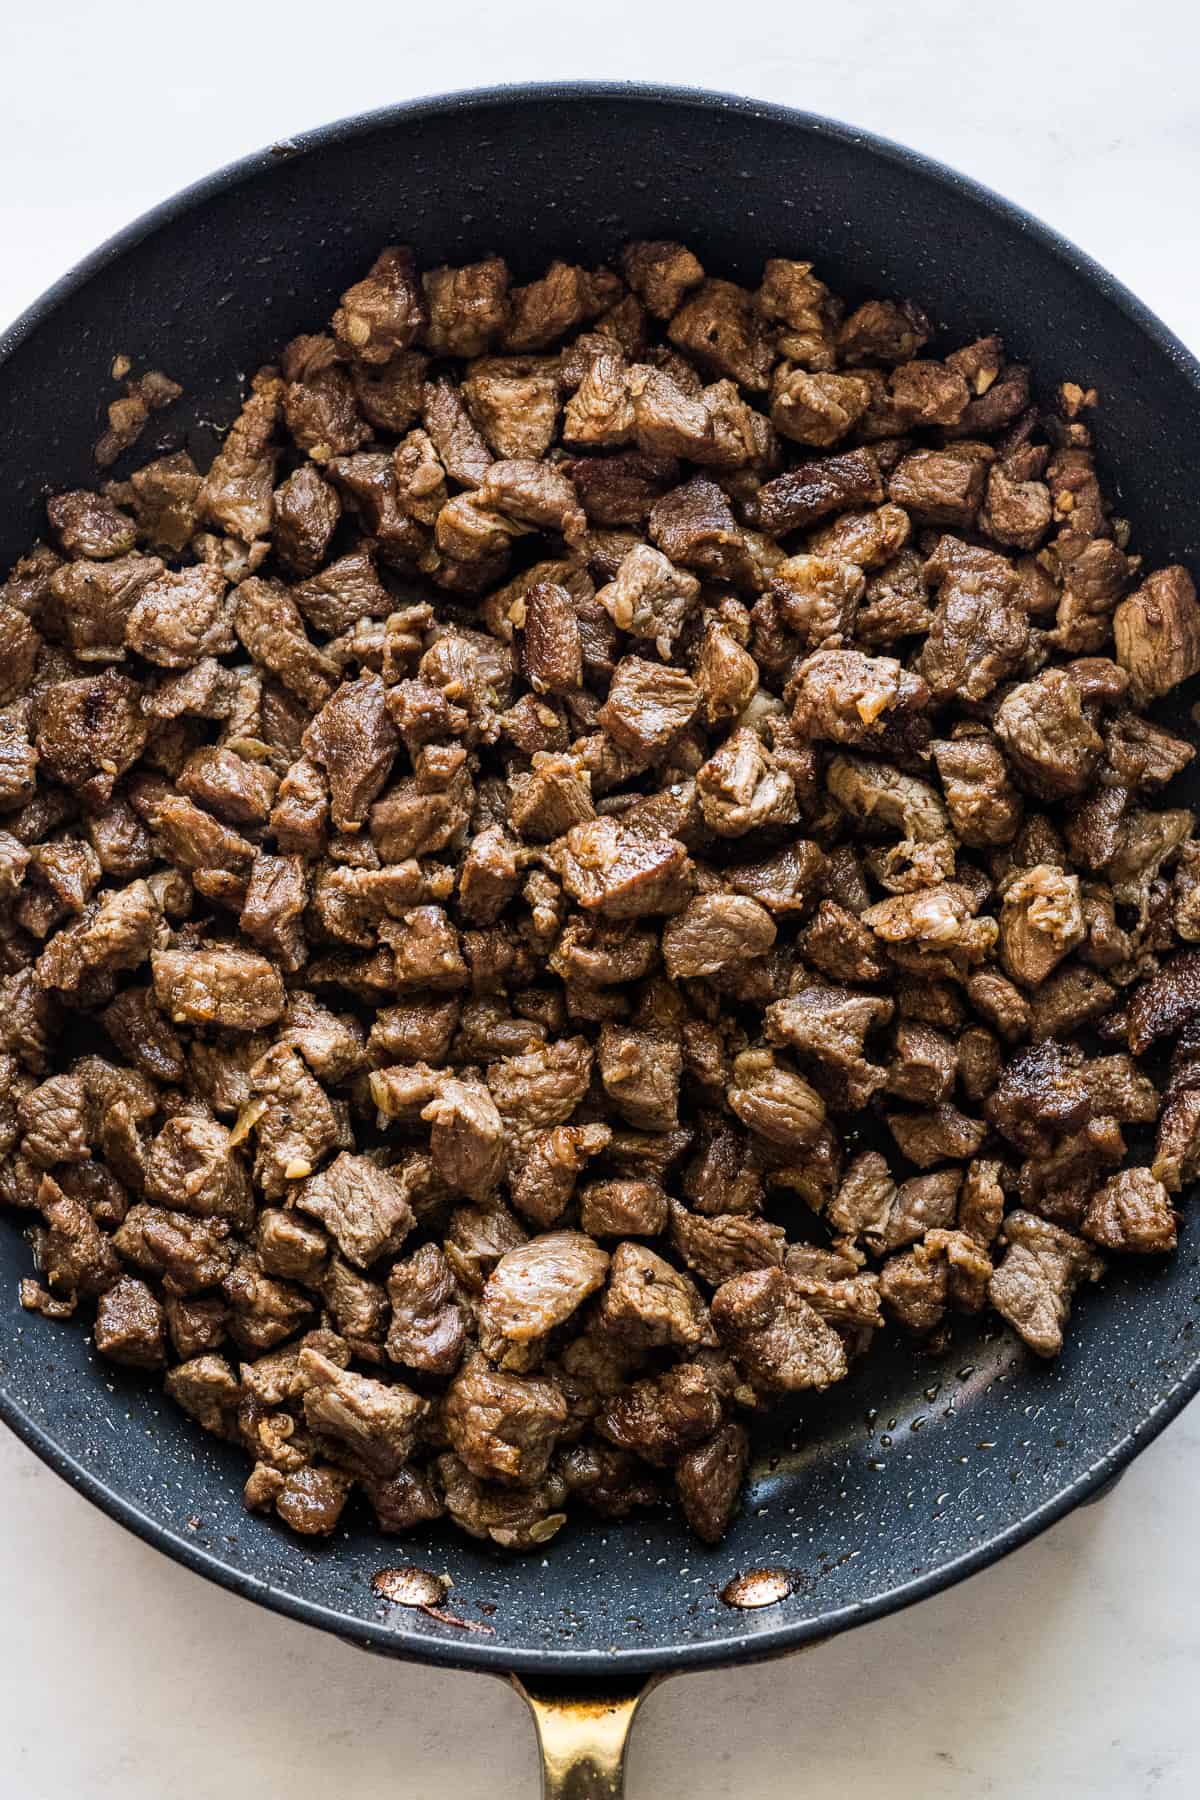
914, 1472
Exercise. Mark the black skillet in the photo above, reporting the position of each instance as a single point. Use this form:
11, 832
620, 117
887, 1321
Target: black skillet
915, 1472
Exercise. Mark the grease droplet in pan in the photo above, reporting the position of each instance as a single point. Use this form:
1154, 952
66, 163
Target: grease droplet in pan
758, 1587
410, 1586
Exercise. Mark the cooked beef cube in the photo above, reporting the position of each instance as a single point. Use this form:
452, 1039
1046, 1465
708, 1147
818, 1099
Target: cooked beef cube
1157, 634
942, 1134
1041, 921
372, 1424
293, 1119
942, 487
661, 1417
984, 807
720, 1246
816, 409
537, 1286
335, 598
385, 311
648, 1304
192, 1166
1141, 754
268, 623
467, 1137
543, 1180
640, 1072
980, 1061
427, 1330
550, 798
188, 1255
924, 1064
115, 934
95, 600
708, 1480
1002, 1005
932, 924
714, 932
89, 732
780, 1342
230, 988
86, 524
236, 493
1053, 746
130, 1326
622, 1209
864, 1197
513, 401
546, 310
73, 1254
503, 1426
721, 327
850, 698
1131, 1212
979, 632
361, 1205
305, 510
811, 491
661, 274
1042, 1088
551, 648
775, 1103
694, 527
742, 787
1033, 1286
648, 705
828, 1026
139, 1031
354, 740
611, 870
179, 617
468, 307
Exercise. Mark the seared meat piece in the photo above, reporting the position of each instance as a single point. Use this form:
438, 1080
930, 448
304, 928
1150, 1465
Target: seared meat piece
659, 1418
828, 1026
468, 307
693, 526
89, 732
774, 1102
720, 326
384, 312
622, 1209
130, 1325
466, 1137
979, 633
1157, 634
354, 740
939, 487
942, 1134
503, 1426
1049, 737
924, 1064
372, 1424
428, 1328
1033, 1287
1041, 920
361, 1205
543, 1181
660, 274
714, 932
1131, 1212
537, 1286
742, 787
811, 491
721, 1246
648, 1304
983, 804
640, 1072
229, 988
779, 1341
613, 871
648, 705
1165, 1003
850, 698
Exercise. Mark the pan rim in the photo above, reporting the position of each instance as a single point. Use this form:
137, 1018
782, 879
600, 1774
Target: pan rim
475, 1653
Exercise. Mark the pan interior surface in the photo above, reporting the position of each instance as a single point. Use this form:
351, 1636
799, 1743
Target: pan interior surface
917, 1468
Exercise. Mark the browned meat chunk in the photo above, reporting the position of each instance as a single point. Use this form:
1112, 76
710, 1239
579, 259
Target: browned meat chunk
648, 1304
130, 1325
775, 1336
504, 1426
1041, 921
1033, 1286
661, 274
723, 329
811, 491
1157, 634
742, 787
537, 1286
708, 1481
362, 1207
230, 988
850, 698
1131, 1212
614, 871
714, 932
385, 311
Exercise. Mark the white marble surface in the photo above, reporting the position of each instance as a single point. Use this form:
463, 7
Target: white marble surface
1070, 1668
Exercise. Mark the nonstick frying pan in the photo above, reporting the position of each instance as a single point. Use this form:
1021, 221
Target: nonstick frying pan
916, 1471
